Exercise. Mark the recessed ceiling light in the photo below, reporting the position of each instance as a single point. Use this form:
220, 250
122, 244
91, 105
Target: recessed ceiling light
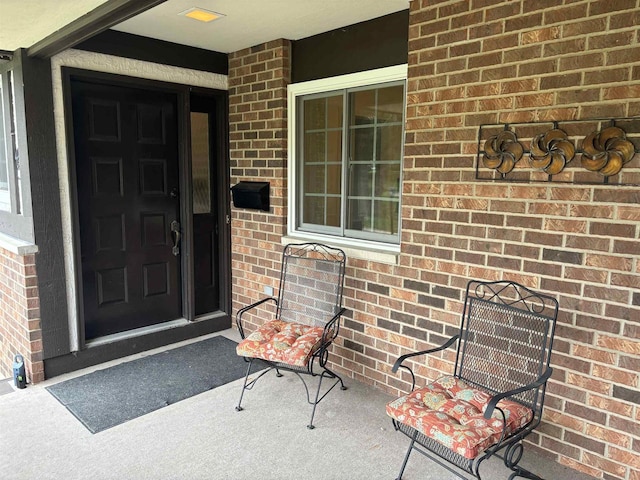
201, 14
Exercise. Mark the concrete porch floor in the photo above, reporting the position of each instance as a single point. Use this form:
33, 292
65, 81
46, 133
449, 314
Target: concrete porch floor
203, 437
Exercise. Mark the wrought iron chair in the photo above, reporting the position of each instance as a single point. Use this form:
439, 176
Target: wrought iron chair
306, 320
495, 396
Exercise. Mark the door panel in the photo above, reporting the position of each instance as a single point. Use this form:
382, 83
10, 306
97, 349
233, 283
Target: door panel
127, 178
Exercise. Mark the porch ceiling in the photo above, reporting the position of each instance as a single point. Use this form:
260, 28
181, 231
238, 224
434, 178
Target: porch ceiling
23, 23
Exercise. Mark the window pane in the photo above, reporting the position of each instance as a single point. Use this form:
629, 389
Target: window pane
14, 145
389, 143
362, 142
314, 147
319, 210
4, 178
200, 163
375, 159
361, 180
388, 180
334, 178
334, 146
314, 179
314, 114
333, 211
313, 210
363, 107
360, 215
385, 219
321, 175
390, 104
335, 111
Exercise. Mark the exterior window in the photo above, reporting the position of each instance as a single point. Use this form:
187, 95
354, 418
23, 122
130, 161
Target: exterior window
15, 210
14, 148
348, 162
10, 177
5, 151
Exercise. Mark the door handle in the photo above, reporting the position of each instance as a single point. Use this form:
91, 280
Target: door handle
175, 229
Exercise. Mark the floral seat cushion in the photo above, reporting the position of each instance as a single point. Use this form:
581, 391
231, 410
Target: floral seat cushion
452, 413
283, 342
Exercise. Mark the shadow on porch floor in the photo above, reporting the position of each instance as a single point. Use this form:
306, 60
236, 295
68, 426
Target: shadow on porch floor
203, 437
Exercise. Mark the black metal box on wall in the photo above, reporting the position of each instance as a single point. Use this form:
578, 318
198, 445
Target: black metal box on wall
253, 195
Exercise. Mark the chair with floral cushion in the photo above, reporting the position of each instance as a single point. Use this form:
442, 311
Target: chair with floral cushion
295, 335
494, 397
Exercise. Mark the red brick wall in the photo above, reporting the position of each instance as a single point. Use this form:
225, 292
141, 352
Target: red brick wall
20, 315
488, 62
472, 63
258, 79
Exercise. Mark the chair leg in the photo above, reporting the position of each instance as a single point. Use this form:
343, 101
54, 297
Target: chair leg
244, 386
512, 457
315, 403
335, 375
524, 473
406, 458
329, 374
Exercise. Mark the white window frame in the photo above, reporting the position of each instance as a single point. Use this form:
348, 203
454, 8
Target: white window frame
324, 85
5, 112
17, 220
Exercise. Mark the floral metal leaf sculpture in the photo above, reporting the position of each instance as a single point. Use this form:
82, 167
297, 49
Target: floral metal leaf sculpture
502, 152
606, 151
551, 151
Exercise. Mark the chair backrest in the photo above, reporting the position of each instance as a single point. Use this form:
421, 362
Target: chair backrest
311, 284
506, 338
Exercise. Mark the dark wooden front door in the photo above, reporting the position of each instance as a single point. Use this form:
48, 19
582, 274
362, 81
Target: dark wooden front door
126, 161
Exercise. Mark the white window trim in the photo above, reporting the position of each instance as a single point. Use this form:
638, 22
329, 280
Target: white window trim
352, 80
5, 195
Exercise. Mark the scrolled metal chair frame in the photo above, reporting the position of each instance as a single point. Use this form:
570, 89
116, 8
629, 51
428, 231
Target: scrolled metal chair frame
317, 364
502, 299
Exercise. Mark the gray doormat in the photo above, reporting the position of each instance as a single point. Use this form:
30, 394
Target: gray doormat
114, 395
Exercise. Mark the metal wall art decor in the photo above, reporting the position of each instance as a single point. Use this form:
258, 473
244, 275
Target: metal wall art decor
551, 151
606, 151
571, 151
502, 152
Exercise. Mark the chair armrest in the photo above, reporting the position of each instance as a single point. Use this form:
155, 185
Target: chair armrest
542, 379
250, 307
329, 333
332, 327
402, 358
